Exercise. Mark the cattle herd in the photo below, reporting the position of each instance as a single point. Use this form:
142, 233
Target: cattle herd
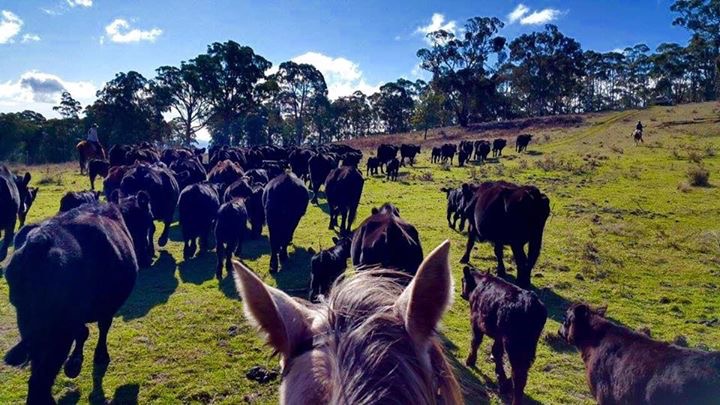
368, 338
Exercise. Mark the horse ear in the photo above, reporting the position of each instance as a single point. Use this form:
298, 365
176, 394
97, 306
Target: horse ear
428, 296
284, 320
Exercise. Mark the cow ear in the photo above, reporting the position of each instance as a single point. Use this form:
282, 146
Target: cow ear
114, 197
143, 199
26, 179
284, 320
428, 296
581, 311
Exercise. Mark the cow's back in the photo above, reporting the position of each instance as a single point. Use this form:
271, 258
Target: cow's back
387, 240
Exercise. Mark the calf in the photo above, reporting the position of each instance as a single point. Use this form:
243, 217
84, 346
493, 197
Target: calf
435, 155
76, 268
252, 195
498, 146
285, 200
16, 198
408, 151
626, 367
372, 166
507, 214
197, 209
97, 167
448, 151
454, 209
482, 150
387, 240
343, 188
393, 167
74, 199
230, 230
512, 317
327, 266
386, 153
522, 142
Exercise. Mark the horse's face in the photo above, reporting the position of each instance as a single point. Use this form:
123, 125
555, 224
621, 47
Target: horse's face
370, 341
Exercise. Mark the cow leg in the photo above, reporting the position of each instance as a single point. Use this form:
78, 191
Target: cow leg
101, 351
462, 222
221, 258
499, 254
45, 364
204, 241
166, 231
523, 273
519, 379
333, 217
477, 337
343, 222
450, 214
92, 182
468, 248
74, 364
6, 241
497, 355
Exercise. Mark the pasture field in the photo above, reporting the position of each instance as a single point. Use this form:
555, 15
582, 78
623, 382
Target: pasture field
626, 231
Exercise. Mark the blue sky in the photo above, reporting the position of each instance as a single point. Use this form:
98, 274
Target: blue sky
48, 45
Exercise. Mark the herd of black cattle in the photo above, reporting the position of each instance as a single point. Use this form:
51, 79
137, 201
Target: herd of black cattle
80, 266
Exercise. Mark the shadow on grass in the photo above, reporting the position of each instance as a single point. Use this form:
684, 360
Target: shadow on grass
124, 394
198, 269
294, 274
474, 390
253, 249
153, 287
534, 152
324, 207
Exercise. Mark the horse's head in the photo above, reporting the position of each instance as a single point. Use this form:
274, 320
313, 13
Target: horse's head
371, 341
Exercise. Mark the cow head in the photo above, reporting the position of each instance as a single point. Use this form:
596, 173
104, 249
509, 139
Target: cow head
580, 321
138, 218
387, 208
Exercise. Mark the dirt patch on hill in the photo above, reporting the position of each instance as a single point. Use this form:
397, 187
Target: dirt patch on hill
559, 121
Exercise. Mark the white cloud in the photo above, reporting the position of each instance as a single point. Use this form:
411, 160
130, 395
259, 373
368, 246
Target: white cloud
541, 17
520, 11
39, 91
343, 76
437, 22
81, 3
120, 31
10, 26
30, 38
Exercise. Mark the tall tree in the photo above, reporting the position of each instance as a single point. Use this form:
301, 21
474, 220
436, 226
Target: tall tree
299, 84
69, 108
394, 105
429, 110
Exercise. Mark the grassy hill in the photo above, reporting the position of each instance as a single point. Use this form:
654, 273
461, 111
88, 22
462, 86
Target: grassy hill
627, 230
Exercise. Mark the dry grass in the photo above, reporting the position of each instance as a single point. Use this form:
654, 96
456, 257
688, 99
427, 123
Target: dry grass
698, 176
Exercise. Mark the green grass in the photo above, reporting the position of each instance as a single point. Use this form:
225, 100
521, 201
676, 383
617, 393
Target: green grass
622, 234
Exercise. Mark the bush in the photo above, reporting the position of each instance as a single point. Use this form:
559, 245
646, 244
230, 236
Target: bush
683, 187
710, 151
699, 176
695, 156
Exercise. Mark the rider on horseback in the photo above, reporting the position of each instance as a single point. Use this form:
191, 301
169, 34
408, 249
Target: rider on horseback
92, 138
639, 126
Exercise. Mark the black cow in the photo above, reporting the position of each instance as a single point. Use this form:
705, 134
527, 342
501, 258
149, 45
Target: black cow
498, 146
197, 209
467, 147
225, 172
372, 166
230, 230
118, 155
16, 198
436, 155
386, 153
507, 214
514, 318
299, 159
387, 240
188, 170
408, 151
74, 199
482, 150
393, 167
327, 265
97, 167
76, 268
113, 179
343, 188
448, 152
320, 166
522, 141
285, 200
160, 184
454, 209
258, 176
463, 156
252, 195
626, 367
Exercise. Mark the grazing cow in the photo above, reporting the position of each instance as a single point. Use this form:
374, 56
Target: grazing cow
252, 195
188, 170
372, 166
230, 230
436, 155
393, 167
16, 198
97, 167
197, 209
343, 188
386, 153
626, 367
448, 151
507, 214
113, 179
327, 265
387, 240
371, 342
454, 206
160, 184
225, 172
482, 150
74, 199
522, 142
320, 166
514, 318
76, 268
285, 200
498, 146
408, 151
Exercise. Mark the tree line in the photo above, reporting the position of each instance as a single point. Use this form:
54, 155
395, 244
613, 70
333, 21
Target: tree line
476, 76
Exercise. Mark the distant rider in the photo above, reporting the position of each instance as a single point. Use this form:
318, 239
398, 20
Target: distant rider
92, 138
639, 126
